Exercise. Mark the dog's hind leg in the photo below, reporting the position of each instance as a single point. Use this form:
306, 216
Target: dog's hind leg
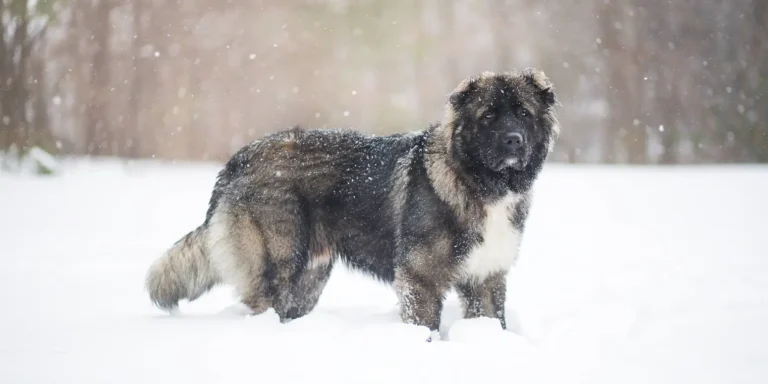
307, 288
297, 289
309, 283
239, 255
291, 282
266, 255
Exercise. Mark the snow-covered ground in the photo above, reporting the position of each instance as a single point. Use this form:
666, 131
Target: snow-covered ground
628, 275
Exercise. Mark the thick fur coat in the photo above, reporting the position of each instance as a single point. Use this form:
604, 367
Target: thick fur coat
426, 211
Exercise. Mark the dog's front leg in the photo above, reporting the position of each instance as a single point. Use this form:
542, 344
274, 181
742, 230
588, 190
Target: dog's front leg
421, 298
484, 298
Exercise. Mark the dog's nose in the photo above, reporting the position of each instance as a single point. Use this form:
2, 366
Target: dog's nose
513, 140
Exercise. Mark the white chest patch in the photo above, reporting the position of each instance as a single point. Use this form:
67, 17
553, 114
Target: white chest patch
501, 241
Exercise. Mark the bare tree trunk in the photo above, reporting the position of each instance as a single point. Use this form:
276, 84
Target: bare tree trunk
153, 138
615, 86
624, 89
133, 126
77, 28
760, 55
666, 78
40, 129
634, 52
5, 76
15, 99
99, 136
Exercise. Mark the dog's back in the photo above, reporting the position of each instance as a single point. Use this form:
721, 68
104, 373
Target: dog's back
283, 209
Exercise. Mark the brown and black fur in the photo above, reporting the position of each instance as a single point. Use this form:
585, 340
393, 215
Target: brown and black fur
408, 209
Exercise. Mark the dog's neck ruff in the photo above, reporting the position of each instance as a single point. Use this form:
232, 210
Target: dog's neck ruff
440, 166
463, 192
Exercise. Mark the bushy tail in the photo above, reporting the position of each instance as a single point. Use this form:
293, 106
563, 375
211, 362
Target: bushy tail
183, 272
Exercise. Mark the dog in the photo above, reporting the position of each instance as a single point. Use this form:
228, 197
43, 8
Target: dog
424, 211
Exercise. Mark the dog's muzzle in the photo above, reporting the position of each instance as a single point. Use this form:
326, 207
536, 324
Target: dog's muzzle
513, 147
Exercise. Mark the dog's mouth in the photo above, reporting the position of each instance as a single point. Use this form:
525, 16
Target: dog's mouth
514, 162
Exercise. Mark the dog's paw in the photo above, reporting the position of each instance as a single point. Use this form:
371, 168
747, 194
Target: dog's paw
267, 317
434, 336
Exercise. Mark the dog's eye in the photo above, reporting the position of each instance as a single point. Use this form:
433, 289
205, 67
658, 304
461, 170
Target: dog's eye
489, 115
524, 113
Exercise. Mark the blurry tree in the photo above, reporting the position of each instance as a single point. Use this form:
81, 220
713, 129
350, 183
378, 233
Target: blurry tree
623, 48
133, 120
100, 134
648, 81
757, 116
23, 107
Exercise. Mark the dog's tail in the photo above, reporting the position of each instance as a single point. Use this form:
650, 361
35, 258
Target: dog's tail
183, 272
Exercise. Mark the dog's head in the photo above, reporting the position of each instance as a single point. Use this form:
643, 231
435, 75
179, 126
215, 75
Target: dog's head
503, 121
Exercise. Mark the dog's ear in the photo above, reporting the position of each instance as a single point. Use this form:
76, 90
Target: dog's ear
543, 85
459, 95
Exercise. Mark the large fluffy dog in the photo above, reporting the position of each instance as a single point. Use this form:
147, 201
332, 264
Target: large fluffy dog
428, 211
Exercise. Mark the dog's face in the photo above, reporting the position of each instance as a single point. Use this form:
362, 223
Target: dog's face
500, 120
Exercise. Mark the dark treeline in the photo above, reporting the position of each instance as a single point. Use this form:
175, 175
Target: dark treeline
640, 81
